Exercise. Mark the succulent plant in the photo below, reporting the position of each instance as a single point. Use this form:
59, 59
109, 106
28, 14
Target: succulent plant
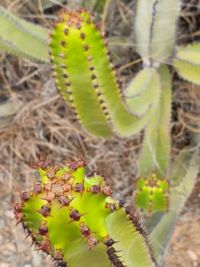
71, 216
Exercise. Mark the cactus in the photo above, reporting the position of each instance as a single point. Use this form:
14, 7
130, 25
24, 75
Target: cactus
22, 38
151, 194
86, 78
161, 233
71, 216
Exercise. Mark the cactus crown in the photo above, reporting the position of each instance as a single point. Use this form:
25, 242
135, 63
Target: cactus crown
70, 215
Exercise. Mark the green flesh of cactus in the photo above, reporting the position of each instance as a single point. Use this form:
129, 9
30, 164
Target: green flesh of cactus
73, 218
85, 77
155, 25
22, 38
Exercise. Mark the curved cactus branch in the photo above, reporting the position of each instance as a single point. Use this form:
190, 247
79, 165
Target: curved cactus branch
22, 38
155, 152
189, 53
143, 93
188, 67
71, 216
85, 77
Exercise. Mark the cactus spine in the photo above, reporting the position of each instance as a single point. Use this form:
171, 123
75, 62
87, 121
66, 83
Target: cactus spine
71, 216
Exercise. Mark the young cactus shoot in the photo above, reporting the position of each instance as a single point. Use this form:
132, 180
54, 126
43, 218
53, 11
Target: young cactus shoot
71, 216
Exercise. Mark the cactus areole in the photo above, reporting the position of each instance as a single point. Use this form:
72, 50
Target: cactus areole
71, 216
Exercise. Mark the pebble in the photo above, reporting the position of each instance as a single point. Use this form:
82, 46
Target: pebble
192, 255
27, 265
9, 214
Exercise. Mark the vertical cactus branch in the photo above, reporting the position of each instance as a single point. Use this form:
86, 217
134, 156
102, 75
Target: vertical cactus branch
155, 26
73, 218
85, 76
155, 152
162, 232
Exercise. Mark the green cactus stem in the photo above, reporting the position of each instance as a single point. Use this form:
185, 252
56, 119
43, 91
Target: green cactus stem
71, 216
85, 77
152, 194
187, 62
155, 25
22, 38
155, 154
162, 232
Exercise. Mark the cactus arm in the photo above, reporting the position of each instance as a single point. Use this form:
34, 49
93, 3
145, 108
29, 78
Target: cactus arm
160, 235
86, 77
137, 254
22, 38
156, 146
143, 93
187, 71
157, 19
189, 53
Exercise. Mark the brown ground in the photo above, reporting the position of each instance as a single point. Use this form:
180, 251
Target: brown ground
45, 124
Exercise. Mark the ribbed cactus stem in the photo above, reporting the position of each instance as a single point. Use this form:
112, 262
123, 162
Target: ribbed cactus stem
85, 77
67, 215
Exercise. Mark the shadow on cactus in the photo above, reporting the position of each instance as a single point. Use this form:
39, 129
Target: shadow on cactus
71, 216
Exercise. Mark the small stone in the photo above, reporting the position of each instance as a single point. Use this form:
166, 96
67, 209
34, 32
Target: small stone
27, 265
9, 214
192, 255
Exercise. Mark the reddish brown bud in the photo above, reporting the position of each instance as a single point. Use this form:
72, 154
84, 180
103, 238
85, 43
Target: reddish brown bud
82, 35
38, 188
17, 207
64, 201
45, 246
43, 230
45, 210
95, 189
75, 215
49, 196
92, 241
85, 230
25, 196
79, 187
